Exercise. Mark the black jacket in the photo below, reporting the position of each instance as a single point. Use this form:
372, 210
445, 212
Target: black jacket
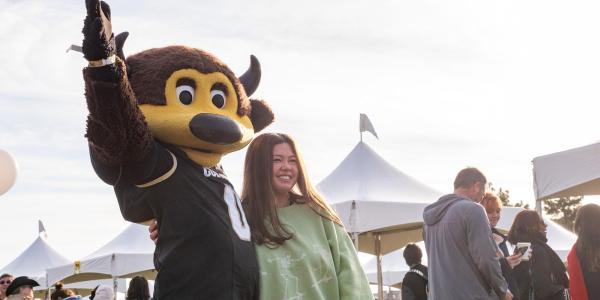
507, 271
204, 250
414, 284
548, 279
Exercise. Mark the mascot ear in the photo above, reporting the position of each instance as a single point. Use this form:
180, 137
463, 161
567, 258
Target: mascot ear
260, 115
251, 77
119, 42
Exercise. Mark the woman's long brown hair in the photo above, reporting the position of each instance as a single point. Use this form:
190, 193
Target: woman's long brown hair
258, 197
587, 224
525, 227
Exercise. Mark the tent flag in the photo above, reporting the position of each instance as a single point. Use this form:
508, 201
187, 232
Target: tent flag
42, 229
366, 125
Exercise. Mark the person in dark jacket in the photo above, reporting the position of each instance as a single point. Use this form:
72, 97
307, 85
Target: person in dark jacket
583, 262
414, 284
493, 208
543, 276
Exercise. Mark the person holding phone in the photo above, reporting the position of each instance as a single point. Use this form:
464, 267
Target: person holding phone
543, 276
493, 208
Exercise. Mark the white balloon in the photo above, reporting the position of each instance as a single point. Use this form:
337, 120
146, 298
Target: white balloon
8, 171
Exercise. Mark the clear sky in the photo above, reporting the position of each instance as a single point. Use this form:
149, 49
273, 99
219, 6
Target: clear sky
490, 84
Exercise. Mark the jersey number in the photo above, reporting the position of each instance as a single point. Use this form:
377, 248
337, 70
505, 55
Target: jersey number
236, 213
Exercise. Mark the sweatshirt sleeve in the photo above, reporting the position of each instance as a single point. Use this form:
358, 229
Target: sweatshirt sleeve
352, 281
483, 249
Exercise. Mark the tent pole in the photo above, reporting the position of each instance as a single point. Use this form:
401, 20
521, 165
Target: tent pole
355, 240
112, 271
48, 287
115, 287
379, 273
352, 222
538, 207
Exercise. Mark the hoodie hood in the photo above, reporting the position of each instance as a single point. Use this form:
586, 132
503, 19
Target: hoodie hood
434, 212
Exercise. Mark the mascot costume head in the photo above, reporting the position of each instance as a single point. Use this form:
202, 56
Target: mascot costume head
192, 100
159, 122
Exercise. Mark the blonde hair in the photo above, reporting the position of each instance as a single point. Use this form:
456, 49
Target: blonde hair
490, 201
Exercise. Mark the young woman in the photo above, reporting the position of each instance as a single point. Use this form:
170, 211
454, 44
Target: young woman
583, 261
5, 280
543, 276
302, 247
493, 209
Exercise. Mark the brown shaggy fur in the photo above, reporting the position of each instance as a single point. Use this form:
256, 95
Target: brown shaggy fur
149, 70
116, 129
261, 115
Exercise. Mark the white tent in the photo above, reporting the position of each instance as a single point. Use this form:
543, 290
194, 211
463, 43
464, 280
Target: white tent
128, 254
34, 260
394, 267
574, 172
373, 197
380, 206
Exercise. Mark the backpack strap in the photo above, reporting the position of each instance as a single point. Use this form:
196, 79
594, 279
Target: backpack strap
418, 272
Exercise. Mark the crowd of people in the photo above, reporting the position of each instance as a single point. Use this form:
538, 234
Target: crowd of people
304, 251
289, 219
469, 258
21, 288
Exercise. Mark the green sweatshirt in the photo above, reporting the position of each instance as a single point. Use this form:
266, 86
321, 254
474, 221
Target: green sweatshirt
319, 262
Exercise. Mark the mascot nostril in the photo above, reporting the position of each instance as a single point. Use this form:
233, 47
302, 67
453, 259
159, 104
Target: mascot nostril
215, 129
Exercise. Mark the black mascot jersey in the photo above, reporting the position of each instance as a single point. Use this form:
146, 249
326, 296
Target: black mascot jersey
204, 237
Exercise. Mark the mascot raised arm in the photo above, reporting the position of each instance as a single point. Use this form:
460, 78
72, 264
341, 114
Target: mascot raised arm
159, 123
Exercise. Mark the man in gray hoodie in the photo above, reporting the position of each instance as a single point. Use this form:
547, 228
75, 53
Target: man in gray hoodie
463, 260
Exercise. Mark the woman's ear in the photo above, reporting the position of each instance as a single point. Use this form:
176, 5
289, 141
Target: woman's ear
261, 114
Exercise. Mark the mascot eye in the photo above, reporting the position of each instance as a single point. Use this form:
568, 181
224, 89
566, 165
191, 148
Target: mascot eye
185, 94
218, 98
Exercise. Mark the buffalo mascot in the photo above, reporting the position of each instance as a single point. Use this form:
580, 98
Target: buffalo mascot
159, 123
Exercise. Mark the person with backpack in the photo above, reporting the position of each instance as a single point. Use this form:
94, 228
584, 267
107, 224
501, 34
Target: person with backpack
414, 284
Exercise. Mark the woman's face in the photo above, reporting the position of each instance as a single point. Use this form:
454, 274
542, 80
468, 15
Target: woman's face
4, 283
493, 214
543, 228
285, 169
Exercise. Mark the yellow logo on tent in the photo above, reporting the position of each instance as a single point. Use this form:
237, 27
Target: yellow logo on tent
77, 266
